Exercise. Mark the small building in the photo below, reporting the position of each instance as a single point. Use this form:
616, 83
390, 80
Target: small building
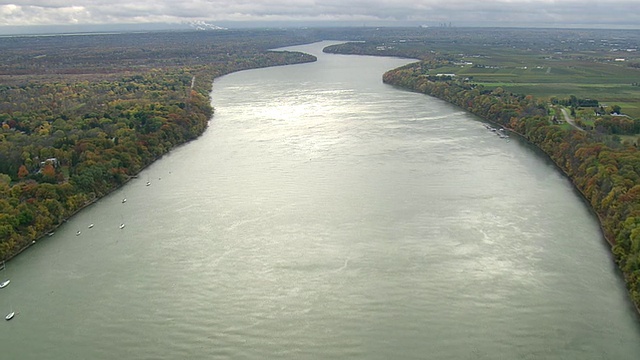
52, 161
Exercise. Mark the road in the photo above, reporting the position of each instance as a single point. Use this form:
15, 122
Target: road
569, 119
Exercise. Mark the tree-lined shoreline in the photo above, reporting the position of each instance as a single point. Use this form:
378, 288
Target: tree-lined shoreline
83, 120
603, 162
605, 174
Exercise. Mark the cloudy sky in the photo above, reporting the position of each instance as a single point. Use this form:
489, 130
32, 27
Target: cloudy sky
537, 13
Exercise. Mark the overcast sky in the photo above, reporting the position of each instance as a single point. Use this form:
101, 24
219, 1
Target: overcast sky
536, 13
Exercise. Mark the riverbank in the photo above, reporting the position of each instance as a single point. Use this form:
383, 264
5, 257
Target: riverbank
106, 133
50, 231
591, 166
608, 238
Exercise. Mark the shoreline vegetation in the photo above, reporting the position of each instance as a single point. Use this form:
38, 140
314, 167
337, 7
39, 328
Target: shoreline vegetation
604, 170
81, 116
592, 166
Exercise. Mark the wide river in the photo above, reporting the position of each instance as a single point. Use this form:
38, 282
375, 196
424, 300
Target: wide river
325, 215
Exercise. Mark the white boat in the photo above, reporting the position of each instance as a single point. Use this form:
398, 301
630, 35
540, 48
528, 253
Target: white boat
7, 281
10, 315
124, 200
78, 233
148, 183
90, 226
122, 226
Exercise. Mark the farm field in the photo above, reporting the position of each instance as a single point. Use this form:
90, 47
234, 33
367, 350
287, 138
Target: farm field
608, 81
547, 63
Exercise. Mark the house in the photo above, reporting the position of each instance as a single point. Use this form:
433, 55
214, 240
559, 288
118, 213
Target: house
53, 161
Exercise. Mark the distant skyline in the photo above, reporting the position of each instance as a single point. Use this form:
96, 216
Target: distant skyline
612, 14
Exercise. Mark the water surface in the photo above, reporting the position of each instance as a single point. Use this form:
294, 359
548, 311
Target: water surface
324, 214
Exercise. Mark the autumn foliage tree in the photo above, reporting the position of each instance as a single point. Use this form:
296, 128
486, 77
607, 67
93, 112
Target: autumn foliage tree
22, 172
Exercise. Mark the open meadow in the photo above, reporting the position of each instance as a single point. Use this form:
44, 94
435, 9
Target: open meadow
607, 75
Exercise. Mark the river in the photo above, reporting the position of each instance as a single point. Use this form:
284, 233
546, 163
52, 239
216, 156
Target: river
324, 214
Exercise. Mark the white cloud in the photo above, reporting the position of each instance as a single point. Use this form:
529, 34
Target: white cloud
558, 13
12, 14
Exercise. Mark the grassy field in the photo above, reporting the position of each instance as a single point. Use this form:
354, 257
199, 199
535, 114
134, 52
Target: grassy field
631, 139
598, 76
602, 65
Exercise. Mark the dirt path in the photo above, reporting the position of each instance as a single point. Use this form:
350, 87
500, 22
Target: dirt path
569, 119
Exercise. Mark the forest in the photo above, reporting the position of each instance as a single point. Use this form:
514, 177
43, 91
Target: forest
81, 115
